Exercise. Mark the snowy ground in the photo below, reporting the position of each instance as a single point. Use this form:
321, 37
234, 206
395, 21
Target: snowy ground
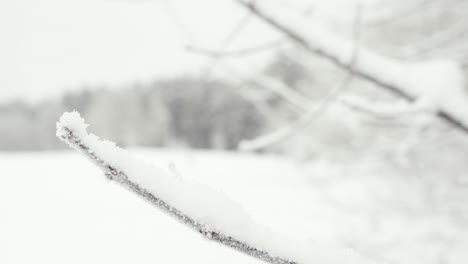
58, 208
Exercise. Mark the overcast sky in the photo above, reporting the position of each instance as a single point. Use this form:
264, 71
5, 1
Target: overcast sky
48, 47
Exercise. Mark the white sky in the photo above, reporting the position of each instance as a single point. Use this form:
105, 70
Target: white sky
47, 47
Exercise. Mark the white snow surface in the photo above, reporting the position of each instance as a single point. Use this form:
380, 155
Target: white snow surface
56, 208
207, 205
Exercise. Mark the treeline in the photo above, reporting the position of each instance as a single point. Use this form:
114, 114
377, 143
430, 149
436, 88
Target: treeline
184, 112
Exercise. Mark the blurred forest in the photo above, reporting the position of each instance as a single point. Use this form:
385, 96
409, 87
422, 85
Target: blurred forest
185, 112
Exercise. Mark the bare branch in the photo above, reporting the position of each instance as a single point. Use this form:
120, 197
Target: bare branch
283, 133
296, 99
243, 22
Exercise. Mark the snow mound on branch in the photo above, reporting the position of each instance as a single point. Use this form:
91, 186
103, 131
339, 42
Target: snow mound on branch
74, 122
441, 83
190, 197
204, 204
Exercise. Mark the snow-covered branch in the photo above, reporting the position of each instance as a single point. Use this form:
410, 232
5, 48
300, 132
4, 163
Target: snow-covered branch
439, 81
144, 179
194, 204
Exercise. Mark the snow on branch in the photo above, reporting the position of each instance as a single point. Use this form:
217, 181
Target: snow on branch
194, 204
440, 82
386, 109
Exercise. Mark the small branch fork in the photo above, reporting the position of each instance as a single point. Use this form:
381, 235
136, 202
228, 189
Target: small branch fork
312, 112
117, 175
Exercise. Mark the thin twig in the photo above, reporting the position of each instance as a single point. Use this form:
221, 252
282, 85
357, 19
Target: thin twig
240, 52
243, 22
173, 15
296, 99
